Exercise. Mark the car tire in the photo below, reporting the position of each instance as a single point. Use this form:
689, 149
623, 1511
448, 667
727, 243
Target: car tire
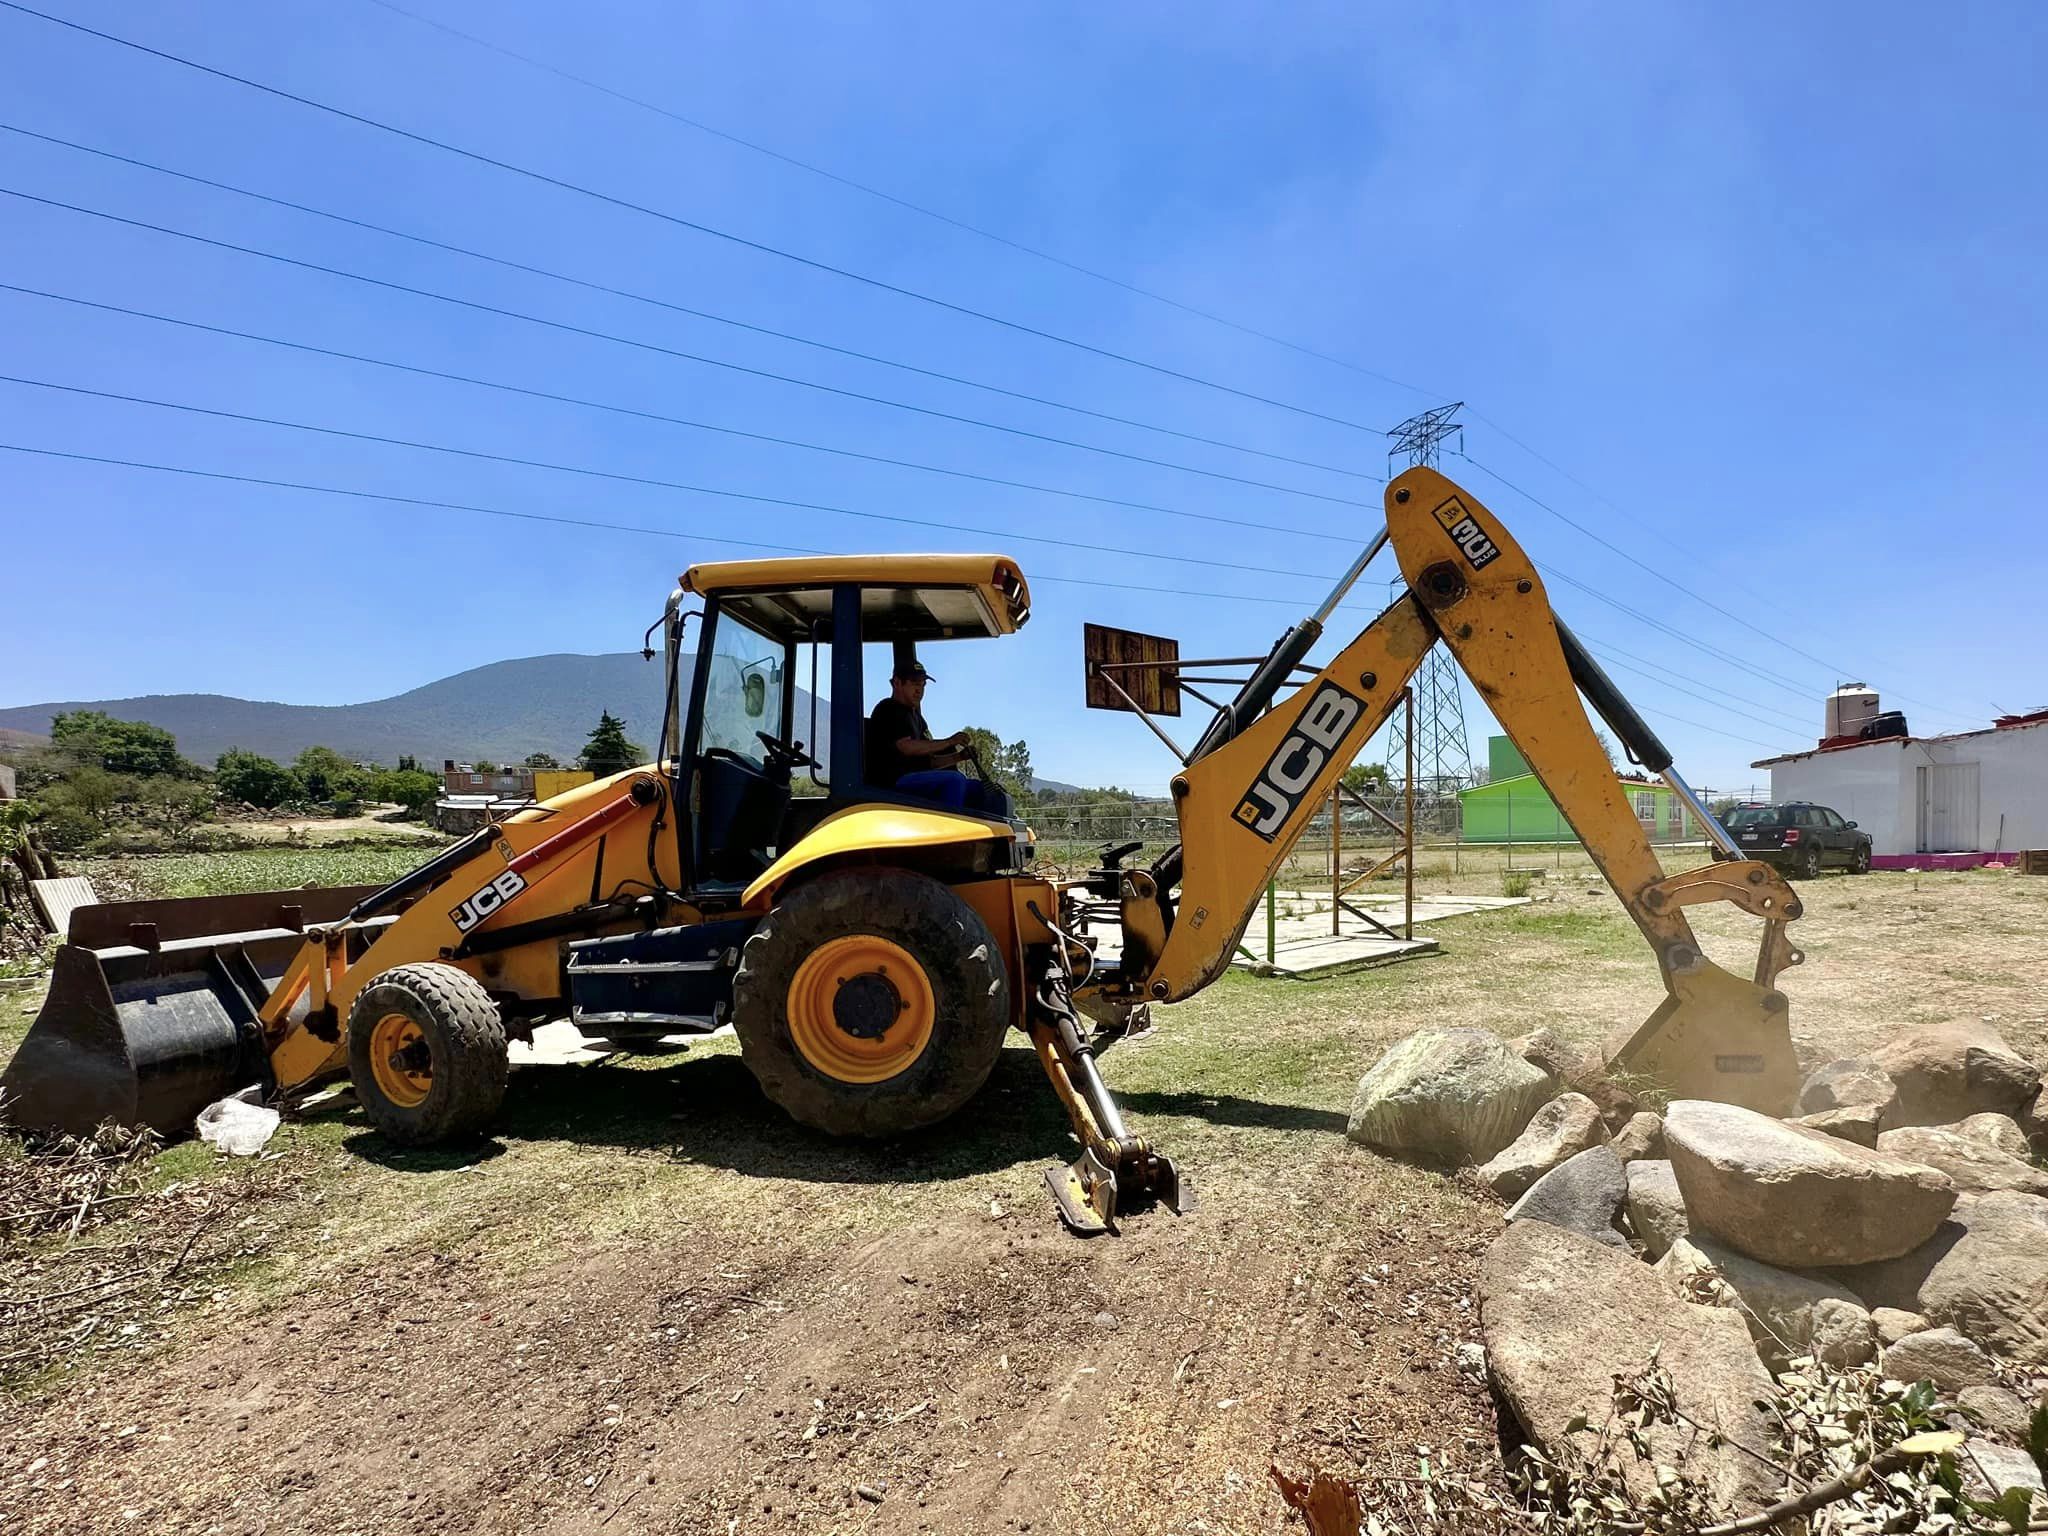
1859, 861
1806, 865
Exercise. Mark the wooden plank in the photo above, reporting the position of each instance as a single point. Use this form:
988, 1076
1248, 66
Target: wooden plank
56, 899
1154, 685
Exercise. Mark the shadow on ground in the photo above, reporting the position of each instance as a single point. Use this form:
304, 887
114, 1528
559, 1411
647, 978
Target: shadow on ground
708, 1109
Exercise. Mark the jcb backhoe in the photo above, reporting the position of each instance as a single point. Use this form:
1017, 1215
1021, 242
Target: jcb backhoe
871, 950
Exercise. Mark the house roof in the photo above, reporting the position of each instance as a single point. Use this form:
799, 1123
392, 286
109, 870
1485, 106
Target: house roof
2019, 723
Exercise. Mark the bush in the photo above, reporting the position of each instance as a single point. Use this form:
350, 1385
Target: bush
1516, 882
409, 787
66, 827
253, 779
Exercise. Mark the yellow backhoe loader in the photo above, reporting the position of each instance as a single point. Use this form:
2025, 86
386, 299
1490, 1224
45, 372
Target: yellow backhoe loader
872, 949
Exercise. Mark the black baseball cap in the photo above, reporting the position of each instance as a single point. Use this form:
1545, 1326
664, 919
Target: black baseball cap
911, 670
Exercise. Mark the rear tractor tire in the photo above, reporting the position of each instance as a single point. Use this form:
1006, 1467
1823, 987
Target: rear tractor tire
426, 1053
871, 1002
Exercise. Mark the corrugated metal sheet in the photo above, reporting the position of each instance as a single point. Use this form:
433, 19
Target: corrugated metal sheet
56, 900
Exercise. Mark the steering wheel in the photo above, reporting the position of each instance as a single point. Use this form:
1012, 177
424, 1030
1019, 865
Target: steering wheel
785, 754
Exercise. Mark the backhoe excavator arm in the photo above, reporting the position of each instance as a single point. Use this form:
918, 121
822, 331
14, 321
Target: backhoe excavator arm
1245, 800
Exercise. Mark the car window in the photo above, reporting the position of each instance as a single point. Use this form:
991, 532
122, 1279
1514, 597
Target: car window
1833, 820
1752, 816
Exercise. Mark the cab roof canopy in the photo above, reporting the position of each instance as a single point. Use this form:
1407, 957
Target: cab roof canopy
902, 597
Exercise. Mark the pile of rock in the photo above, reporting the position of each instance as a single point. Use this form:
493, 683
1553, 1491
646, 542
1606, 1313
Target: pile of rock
1901, 1217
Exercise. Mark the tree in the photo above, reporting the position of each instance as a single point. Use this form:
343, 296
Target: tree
324, 774
1366, 778
541, 762
608, 751
1008, 763
253, 779
407, 763
1606, 745
94, 737
409, 787
483, 765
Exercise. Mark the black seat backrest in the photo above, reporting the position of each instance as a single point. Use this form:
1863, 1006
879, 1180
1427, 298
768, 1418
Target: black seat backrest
740, 811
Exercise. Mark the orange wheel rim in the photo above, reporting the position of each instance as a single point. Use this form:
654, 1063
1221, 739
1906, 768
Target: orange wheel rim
860, 1008
400, 1061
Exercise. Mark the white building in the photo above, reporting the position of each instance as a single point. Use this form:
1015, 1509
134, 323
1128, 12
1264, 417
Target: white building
1973, 795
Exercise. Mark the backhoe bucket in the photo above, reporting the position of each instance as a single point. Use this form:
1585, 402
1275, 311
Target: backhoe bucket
151, 1012
1718, 1036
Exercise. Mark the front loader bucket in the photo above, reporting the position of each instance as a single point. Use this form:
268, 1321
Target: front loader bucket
151, 1012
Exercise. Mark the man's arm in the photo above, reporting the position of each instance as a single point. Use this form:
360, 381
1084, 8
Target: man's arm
947, 747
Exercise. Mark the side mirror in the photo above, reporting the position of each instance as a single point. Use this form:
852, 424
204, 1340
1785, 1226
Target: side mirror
755, 695
1851, 825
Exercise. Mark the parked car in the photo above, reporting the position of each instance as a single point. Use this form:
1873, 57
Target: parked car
1799, 838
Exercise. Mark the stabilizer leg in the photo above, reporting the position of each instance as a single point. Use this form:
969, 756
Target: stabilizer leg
1116, 1171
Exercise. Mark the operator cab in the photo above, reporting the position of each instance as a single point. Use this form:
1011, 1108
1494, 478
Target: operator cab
759, 757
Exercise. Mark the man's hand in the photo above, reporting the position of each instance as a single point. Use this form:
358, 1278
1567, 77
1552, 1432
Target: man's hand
958, 739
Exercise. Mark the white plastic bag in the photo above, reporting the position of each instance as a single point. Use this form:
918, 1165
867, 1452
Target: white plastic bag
237, 1126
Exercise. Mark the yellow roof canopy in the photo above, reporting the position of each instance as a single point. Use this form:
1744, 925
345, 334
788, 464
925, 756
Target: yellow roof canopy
903, 597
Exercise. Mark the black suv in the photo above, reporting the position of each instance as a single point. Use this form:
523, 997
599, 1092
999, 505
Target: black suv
1799, 838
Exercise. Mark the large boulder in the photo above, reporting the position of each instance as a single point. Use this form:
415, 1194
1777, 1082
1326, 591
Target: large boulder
2032, 1117
1942, 1356
1992, 1284
1856, 1122
1892, 1324
1451, 1096
1642, 1137
1944, 1072
1567, 1125
1562, 1316
1975, 1163
1853, 1082
1983, 1273
1787, 1315
1583, 1194
1656, 1210
1795, 1197
2001, 1131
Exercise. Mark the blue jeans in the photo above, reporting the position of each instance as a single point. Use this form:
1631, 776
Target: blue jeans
954, 790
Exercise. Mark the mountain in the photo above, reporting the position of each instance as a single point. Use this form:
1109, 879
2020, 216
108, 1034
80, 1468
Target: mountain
499, 712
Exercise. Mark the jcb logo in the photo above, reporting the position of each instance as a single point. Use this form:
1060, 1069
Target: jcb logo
488, 900
1479, 550
1291, 770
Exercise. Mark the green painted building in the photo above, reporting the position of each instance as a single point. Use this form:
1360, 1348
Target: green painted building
1513, 807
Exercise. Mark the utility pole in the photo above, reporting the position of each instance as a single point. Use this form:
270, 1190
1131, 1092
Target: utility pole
1441, 751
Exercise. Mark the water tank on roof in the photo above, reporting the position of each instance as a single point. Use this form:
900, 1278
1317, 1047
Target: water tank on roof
1850, 708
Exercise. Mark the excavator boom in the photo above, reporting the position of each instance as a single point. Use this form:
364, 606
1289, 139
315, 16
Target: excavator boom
1255, 783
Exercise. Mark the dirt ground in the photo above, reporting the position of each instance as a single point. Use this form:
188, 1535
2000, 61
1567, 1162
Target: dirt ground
649, 1306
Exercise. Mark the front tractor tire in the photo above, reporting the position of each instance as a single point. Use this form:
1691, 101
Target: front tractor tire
426, 1054
871, 1002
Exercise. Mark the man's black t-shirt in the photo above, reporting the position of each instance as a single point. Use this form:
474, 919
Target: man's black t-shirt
888, 724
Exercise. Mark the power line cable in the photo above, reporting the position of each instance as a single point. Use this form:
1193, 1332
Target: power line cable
696, 226
1080, 269
1536, 501
593, 472
1090, 546
573, 522
918, 208
1669, 678
433, 504
677, 421
689, 357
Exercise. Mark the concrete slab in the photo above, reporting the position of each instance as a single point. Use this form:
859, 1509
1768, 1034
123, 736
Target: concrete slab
1304, 943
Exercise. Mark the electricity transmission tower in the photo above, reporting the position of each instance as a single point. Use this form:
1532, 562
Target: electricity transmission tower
1443, 752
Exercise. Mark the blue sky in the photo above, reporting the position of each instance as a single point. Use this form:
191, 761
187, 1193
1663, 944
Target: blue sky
1755, 293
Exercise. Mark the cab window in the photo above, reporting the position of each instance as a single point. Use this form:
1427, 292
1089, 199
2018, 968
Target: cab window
743, 690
